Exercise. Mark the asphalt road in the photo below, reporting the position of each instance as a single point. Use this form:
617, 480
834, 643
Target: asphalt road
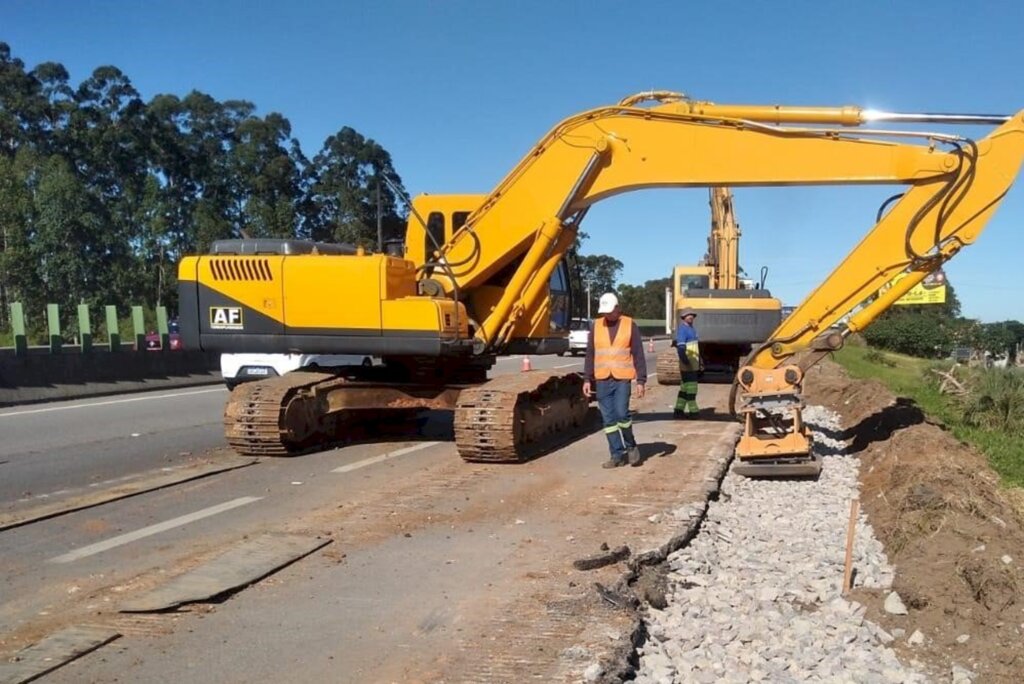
51, 448
65, 445
73, 566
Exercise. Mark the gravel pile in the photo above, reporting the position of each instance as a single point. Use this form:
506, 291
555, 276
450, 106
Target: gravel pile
756, 596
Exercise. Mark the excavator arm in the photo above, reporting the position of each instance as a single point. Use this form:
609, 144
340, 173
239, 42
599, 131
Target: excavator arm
955, 184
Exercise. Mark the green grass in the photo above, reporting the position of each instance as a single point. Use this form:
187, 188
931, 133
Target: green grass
907, 376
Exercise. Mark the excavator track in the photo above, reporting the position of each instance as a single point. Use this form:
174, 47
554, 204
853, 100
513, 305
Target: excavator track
668, 367
277, 416
516, 417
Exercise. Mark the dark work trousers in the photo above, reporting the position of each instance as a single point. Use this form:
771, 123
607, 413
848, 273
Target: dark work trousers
613, 400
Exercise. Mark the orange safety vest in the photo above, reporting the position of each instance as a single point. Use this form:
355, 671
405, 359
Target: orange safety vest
614, 359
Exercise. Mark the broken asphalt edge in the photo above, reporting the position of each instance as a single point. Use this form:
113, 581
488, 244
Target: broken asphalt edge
622, 665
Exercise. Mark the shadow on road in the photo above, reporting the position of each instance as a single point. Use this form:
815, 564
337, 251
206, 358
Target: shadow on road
655, 450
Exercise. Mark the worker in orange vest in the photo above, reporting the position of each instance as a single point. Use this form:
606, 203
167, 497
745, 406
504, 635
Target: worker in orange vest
615, 358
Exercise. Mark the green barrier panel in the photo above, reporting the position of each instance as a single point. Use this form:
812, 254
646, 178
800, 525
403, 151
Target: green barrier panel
113, 329
140, 328
53, 328
18, 328
161, 328
85, 328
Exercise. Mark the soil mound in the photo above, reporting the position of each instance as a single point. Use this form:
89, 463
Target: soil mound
952, 532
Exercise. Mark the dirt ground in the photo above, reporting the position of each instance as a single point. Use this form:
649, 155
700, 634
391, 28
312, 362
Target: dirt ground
953, 534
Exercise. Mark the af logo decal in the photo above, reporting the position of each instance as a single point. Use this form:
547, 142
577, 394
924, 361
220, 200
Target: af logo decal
226, 318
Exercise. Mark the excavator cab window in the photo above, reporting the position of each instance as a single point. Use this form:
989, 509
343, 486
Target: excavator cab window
694, 282
435, 235
459, 220
560, 297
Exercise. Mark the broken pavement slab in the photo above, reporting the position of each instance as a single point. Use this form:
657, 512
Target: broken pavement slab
245, 564
160, 480
602, 559
54, 651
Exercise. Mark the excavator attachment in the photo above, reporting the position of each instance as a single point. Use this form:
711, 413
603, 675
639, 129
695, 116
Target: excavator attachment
775, 440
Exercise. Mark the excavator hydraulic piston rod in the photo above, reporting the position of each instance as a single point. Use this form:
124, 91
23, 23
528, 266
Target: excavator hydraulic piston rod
871, 115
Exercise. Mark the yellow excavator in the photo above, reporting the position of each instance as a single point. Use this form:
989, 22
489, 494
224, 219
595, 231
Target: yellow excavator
733, 314
438, 320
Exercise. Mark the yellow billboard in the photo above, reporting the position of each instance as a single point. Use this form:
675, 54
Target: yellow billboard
931, 290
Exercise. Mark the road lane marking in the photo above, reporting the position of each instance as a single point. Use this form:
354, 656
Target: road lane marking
568, 365
383, 457
112, 401
123, 539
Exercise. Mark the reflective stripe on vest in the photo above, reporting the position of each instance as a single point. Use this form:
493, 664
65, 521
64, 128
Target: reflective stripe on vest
614, 359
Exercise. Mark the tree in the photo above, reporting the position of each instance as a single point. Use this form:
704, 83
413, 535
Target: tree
599, 273
18, 276
340, 203
101, 193
266, 176
645, 301
920, 334
925, 330
997, 339
21, 103
66, 241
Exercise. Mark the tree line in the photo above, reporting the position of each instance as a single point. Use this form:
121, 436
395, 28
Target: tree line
102, 193
935, 330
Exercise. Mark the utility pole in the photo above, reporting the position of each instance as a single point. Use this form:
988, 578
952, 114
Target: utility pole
160, 276
380, 225
589, 317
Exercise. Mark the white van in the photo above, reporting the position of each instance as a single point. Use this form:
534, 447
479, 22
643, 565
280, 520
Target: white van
239, 368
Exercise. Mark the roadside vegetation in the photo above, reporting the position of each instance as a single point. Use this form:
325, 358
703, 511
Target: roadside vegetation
983, 407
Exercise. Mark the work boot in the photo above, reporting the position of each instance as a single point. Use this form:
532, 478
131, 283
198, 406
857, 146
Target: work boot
634, 456
613, 463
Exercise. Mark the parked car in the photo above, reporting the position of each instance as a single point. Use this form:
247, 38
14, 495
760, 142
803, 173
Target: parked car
173, 333
239, 368
579, 335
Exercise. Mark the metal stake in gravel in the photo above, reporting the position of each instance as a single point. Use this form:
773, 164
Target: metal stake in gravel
851, 530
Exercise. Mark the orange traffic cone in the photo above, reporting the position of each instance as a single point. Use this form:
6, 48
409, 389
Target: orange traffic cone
650, 345
526, 364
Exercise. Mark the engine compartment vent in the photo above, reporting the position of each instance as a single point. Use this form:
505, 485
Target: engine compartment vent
241, 269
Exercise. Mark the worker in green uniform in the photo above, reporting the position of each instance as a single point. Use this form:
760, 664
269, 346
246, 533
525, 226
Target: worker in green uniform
690, 365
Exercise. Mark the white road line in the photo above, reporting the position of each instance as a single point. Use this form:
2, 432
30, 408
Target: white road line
568, 365
383, 457
112, 401
123, 539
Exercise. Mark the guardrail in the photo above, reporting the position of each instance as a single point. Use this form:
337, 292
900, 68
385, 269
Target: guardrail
55, 340
90, 368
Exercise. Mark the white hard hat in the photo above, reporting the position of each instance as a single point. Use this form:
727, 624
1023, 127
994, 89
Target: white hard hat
607, 302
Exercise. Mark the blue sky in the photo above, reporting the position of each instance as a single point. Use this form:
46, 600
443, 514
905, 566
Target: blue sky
458, 91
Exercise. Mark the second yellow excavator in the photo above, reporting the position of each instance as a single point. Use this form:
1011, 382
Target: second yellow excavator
733, 314
438, 319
